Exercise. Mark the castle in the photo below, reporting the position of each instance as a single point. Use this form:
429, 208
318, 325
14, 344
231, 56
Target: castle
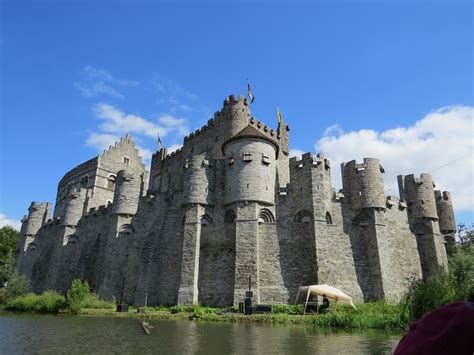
231, 204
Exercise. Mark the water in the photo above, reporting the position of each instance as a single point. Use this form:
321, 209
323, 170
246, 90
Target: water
49, 334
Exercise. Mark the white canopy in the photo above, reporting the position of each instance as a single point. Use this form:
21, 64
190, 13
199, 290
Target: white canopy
329, 291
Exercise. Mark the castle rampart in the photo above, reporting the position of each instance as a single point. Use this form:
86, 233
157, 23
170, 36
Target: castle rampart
363, 183
444, 207
228, 205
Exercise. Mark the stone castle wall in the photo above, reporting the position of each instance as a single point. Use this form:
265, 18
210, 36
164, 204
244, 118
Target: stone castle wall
228, 205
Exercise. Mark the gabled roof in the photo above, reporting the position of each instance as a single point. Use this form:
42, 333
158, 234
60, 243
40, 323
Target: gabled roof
252, 133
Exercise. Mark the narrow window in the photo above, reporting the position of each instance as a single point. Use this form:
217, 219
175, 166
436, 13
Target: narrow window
111, 182
328, 218
247, 157
265, 159
126, 160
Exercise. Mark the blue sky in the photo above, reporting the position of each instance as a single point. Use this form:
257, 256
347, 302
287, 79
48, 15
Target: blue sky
392, 80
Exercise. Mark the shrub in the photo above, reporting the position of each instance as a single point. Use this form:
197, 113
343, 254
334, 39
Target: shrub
18, 285
77, 295
93, 301
425, 295
48, 301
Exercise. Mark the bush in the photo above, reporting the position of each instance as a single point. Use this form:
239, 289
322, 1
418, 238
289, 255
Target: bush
288, 308
18, 285
50, 302
93, 301
439, 290
77, 295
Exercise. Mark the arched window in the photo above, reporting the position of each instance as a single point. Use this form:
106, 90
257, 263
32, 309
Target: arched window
206, 220
111, 182
328, 218
265, 216
85, 181
126, 229
32, 247
230, 217
72, 239
303, 216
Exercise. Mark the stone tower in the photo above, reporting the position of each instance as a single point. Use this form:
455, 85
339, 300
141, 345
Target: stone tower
422, 215
250, 175
447, 223
38, 214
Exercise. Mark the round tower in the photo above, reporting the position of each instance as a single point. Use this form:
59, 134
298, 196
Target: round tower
363, 182
236, 112
198, 179
250, 167
444, 207
419, 196
38, 214
74, 208
127, 193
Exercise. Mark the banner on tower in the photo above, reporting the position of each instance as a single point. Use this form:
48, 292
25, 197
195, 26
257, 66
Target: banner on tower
250, 93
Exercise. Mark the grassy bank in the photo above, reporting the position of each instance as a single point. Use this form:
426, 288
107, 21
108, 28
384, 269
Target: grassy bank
369, 315
422, 297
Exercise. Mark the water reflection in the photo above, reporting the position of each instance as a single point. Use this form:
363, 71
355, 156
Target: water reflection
44, 334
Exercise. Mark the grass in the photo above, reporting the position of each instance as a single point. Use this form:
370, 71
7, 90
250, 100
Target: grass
47, 302
422, 297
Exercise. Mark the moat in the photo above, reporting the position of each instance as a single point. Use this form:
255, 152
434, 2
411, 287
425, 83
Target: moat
46, 334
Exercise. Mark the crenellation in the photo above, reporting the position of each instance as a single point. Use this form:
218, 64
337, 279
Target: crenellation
228, 204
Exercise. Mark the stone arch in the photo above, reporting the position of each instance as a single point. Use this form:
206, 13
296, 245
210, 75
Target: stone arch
126, 229
328, 218
111, 182
72, 239
85, 181
206, 220
266, 216
304, 216
230, 217
32, 247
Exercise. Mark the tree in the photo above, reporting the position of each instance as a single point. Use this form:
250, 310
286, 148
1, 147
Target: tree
465, 236
8, 239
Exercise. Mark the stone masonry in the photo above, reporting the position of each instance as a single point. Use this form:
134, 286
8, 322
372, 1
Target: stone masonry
228, 205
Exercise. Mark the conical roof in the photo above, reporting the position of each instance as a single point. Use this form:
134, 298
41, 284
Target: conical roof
252, 133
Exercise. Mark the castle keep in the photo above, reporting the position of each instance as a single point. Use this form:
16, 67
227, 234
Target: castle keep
228, 205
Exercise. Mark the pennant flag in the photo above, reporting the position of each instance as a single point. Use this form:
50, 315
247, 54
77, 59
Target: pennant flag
280, 117
250, 93
160, 143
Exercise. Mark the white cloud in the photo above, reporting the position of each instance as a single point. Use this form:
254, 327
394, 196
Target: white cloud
174, 147
97, 89
176, 98
4, 221
116, 121
101, 141
98, 82
441, 144
178, 124
296, 153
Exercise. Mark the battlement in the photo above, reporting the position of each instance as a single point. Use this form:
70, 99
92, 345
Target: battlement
232, 100
38, 214
419, 195
442, 195
127, 139
309, 160
444, 207
363, 183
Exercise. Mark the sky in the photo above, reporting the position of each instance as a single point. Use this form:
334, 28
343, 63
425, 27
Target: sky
390, 79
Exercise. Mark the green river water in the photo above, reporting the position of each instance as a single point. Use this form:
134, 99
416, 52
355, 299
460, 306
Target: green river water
49, 334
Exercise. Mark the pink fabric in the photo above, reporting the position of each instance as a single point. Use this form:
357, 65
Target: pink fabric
448, 330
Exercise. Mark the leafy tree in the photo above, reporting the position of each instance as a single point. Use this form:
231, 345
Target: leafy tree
8, 239
465, 236
77, 294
